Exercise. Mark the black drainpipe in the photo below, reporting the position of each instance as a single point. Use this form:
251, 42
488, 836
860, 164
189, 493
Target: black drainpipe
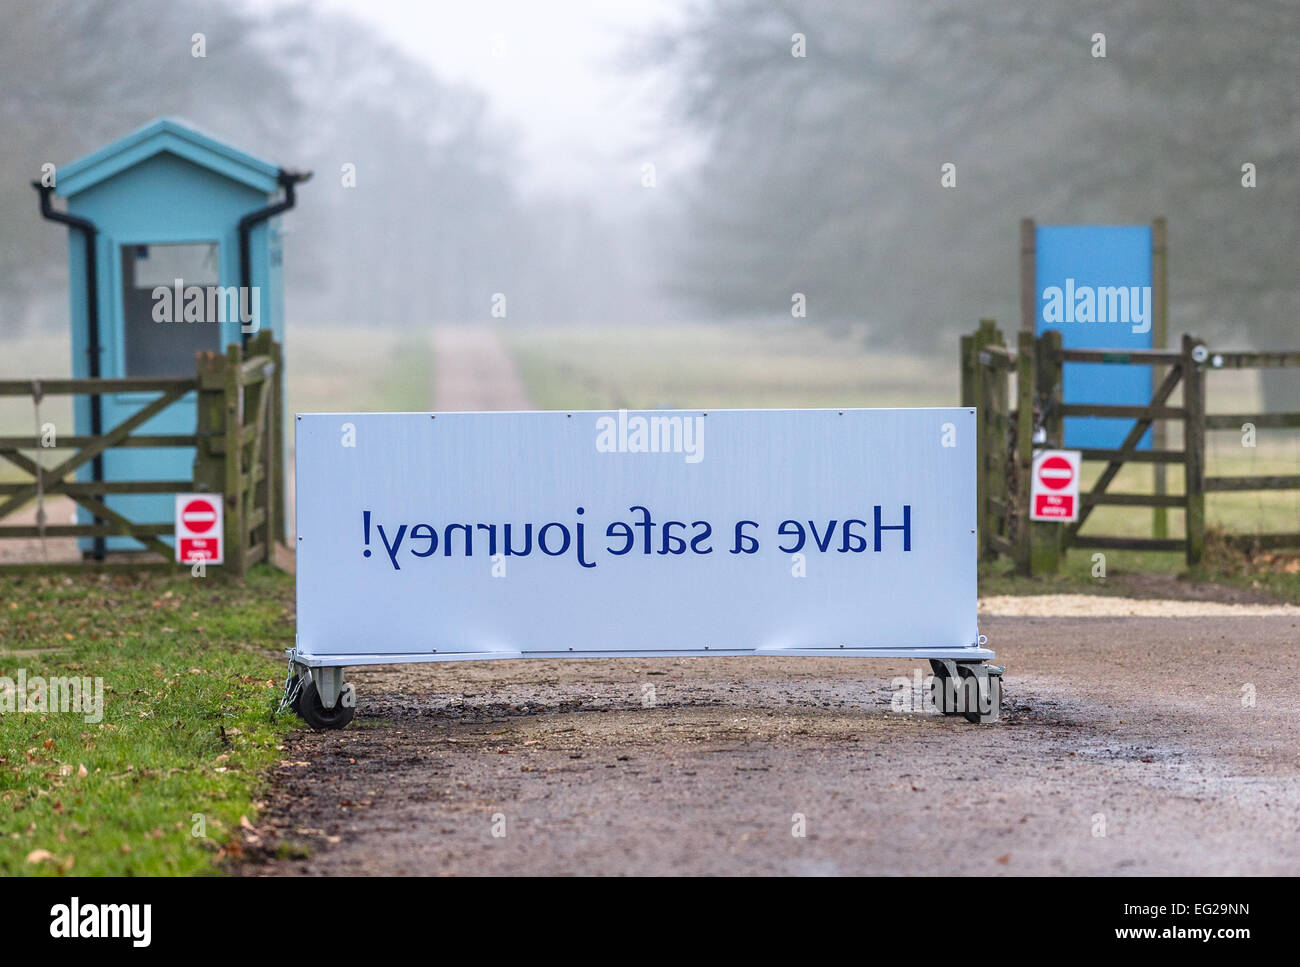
287, 179
89, 232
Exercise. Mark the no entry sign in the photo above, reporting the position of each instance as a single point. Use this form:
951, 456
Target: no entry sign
1054, 487
198, 528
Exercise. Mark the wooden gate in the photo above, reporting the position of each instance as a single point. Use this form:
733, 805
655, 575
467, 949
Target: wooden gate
1008, 438
238, 452
1179, 366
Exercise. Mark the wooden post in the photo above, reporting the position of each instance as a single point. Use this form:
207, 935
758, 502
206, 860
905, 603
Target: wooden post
266, 487
967, 361
275, 466
236, 535
1159, 340
1050, 380
1045, 537
1025, 380
1025, 350
210, 425
260, 401
997, 424
982, 397
1194, 453
1028, 276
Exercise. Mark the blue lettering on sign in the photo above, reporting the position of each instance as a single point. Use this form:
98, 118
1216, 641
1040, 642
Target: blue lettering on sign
406, 542
1093, 283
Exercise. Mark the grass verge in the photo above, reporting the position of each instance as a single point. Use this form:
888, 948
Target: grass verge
1271, 573
189, 668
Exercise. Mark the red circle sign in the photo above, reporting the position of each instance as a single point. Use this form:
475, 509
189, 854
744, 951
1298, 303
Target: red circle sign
198, 516
1056, 473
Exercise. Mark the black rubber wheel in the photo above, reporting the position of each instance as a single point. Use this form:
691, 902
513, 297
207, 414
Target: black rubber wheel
296, 704
938, 687
972, 692
317, 715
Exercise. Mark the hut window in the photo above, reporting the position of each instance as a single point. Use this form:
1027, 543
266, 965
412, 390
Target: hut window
159, 339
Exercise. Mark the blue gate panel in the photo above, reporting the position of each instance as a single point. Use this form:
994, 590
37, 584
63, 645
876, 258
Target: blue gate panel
1093, 283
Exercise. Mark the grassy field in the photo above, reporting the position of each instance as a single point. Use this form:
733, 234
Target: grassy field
357, 371
721, 366
160, 785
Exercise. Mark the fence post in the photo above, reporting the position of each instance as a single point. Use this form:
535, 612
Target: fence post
1026, 343
996, 423
260, 401
1159, 340
236, 534
981, 397
210, 423
967, 357
275, 457
1194, 452
1045, 536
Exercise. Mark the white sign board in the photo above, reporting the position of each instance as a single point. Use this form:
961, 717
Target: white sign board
429, 537
198, 528
1054, 486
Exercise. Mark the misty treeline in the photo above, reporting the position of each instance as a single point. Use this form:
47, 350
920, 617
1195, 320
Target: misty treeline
817, 174
434, 227
822, 173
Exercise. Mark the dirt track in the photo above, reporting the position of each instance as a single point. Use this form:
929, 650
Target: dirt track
473, 371
1136, 723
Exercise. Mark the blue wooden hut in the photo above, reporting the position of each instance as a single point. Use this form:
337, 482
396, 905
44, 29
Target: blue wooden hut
165, 208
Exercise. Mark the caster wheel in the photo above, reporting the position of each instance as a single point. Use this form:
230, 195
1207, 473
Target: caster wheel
941, 693
970, 683
296, 704
937, 697
317, 715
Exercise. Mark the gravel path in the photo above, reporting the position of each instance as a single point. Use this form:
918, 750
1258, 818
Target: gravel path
1125, 748
1094, 606
29, 550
